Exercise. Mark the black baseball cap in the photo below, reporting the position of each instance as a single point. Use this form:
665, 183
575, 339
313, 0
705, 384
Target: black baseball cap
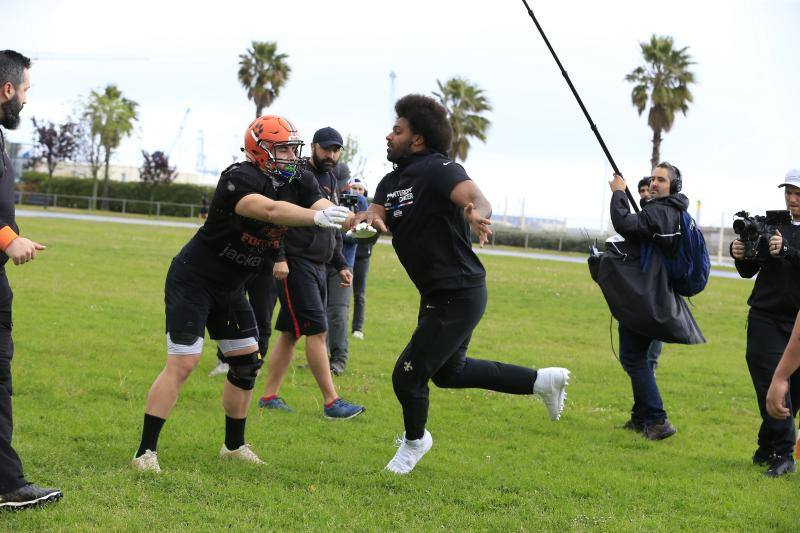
328, 136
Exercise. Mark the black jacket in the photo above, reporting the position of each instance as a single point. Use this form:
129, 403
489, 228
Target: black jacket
658, 221
7, 195
320, 245
644, 301
776, 291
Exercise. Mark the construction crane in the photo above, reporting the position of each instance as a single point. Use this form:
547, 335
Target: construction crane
178, 135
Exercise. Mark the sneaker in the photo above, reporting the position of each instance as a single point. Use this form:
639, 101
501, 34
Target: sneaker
763, 457
781, 464
221, 368
659, 431
633, 425
343, 410
242, 453
276, 402
551, 385
147, 462
409, 452
358, 335
29, 495
337, 367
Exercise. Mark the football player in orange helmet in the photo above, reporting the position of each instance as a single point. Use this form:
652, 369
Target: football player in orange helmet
272, 143
204, 289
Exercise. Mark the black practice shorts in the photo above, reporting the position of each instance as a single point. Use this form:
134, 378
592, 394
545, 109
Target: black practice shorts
302, 295
194, 303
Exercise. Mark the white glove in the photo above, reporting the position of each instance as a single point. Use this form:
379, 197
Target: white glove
362, 231
331, 217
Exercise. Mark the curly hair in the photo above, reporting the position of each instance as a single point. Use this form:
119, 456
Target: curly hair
428, 118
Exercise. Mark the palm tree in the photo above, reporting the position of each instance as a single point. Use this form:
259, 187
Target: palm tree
263, 72
663, 81
464, 102
111, 117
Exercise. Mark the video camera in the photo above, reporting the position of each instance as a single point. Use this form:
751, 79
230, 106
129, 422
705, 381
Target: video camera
350, 201
754, 232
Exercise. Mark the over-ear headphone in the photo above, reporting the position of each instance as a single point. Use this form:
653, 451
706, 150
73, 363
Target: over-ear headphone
676, 183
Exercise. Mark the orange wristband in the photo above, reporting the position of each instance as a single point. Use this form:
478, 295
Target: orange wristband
6, 236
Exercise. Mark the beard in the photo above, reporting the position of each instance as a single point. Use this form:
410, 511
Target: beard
325, 163
395, 154
11, 111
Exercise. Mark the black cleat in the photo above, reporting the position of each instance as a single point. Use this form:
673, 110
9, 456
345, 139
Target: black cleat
29, 495
781, 464
634, 426
763, 457
659, 431
337, 367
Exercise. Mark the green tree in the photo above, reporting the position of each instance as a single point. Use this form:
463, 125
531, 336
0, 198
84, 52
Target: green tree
263, 72
353, 158
111, 117
663, 81
464, 102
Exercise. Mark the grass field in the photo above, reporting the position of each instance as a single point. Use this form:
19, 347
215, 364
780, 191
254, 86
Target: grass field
89, 341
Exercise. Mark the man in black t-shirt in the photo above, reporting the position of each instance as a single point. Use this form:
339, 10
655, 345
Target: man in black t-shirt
253, 204
430, 204
774, 305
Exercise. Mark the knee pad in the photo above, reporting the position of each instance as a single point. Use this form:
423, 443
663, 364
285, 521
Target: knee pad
243, 369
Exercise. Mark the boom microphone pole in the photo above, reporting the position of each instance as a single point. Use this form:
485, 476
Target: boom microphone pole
580, 103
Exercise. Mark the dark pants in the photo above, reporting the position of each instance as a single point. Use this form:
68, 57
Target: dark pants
262, 291
766, 339
633, 354
438, 351
360, 272
653, 353
11, 477
337, 308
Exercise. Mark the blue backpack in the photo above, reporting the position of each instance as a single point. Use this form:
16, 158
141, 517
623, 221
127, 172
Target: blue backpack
688, 271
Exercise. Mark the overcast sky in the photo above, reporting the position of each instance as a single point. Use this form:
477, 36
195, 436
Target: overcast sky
734, 146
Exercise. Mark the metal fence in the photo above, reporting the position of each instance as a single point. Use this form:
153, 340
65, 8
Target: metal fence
117, 205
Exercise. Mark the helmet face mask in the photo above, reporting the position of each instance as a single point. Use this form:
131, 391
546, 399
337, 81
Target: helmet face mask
273, 144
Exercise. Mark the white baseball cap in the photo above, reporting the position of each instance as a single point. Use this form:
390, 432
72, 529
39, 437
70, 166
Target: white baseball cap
792, 178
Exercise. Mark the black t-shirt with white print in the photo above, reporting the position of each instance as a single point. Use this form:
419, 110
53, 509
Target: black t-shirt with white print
429, 232
228, 248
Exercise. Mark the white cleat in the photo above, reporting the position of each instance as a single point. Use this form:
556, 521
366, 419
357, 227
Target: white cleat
147, 462
221, 368
242, 453
551, 385
409, 453
358, 335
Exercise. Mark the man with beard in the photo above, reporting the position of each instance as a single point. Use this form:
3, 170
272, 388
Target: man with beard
430, 204
253, 203
659, 223
304, 292
15, 491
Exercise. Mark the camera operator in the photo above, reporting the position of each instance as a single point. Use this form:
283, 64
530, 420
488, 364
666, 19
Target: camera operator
774, 304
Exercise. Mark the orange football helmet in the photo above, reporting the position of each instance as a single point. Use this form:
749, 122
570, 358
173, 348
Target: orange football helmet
261, 138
